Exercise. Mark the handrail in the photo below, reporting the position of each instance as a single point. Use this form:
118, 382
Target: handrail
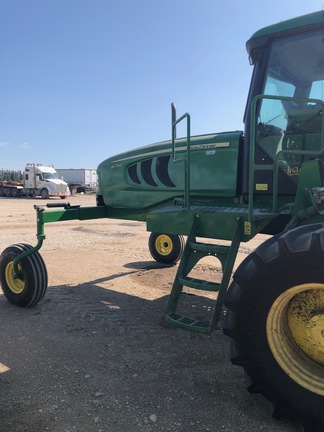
186, 159
275, 166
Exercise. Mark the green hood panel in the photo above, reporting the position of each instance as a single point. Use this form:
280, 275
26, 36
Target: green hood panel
148, 177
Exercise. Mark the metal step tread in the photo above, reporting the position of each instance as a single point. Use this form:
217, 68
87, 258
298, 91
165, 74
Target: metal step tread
199, 284
209, 248
188, 323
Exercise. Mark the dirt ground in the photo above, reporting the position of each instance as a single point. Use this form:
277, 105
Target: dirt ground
96, 353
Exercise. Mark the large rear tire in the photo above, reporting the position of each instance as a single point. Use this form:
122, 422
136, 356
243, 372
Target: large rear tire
166, 248
30, 287
276, 322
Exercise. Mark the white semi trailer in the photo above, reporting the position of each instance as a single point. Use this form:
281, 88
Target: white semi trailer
38, 180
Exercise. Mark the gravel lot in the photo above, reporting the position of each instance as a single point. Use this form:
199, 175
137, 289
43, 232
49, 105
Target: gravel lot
96, 354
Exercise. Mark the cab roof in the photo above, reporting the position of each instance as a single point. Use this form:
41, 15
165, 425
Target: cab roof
315, 19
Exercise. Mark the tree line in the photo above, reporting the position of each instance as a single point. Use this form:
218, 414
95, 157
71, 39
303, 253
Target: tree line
10, 175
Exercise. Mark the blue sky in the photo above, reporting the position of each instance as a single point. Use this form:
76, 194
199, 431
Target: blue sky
82, 80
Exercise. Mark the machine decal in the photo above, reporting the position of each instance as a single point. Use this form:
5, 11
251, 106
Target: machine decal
194, 147
247, 228
147, 172
261, 187
162, 171
208, 146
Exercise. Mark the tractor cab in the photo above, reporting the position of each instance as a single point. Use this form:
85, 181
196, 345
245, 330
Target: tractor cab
284, 113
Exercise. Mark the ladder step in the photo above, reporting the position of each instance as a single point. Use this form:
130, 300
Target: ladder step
195, 251
198, 284
209, 248
188, 323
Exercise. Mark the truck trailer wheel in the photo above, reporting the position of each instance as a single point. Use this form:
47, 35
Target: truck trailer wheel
30, 287
276, 322
166, 248
15, 192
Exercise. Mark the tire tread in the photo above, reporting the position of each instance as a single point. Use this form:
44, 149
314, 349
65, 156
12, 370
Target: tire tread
273, 255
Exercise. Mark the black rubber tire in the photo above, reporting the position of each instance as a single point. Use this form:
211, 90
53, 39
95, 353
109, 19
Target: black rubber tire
166, 248
63, 197
15, 193
44, 193
277, 267
31, 287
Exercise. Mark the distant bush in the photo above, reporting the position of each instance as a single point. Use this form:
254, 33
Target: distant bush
10, 175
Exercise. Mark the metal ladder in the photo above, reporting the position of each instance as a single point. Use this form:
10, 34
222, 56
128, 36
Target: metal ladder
193, 252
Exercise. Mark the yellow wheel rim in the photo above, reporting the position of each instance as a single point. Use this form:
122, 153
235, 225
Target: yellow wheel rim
295, 332
163, 245
15, 285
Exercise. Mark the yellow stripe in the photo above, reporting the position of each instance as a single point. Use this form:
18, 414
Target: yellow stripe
183, 148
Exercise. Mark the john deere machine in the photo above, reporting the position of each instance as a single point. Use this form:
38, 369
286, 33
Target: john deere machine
231, 186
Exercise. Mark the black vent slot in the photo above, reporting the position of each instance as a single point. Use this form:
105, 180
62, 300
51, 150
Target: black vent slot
162, 171
146, 171
132, 172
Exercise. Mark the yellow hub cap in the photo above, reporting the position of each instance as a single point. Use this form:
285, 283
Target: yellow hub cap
15, 285
163, 245
295, 332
